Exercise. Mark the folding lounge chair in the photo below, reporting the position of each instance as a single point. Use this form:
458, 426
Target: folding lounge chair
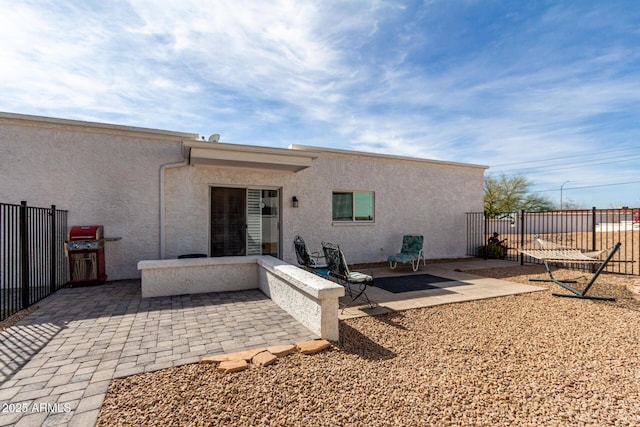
411, 252
339, 269
310, 260
549, 252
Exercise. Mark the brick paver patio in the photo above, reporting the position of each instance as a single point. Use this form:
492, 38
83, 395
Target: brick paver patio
57, 363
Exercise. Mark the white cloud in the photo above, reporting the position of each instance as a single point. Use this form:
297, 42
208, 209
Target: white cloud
393, 77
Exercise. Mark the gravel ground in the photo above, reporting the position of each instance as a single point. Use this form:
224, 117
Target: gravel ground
525, 360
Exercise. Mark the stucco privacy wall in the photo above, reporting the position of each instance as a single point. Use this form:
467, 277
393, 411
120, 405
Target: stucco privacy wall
310, 299
102, 174
411, 196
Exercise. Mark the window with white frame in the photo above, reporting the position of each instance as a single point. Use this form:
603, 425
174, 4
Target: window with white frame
353, 206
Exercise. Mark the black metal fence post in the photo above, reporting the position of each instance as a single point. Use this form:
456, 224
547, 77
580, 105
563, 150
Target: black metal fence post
53, 251
593, 233
522, 222
484, 231
593, 228
24, 254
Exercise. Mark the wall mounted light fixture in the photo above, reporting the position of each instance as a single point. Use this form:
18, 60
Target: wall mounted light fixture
294, 202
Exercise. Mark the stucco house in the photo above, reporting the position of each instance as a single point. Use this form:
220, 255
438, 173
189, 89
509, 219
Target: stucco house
166, 194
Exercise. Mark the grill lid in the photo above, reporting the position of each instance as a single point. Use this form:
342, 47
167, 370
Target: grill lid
86, 232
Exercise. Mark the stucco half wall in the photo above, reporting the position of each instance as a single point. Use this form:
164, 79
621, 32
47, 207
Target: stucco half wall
308, 298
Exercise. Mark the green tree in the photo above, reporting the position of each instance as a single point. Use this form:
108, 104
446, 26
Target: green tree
511, 194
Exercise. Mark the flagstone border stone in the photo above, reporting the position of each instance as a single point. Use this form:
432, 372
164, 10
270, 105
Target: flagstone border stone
259, 357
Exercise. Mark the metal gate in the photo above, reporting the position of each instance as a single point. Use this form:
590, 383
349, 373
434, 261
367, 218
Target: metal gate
32, 259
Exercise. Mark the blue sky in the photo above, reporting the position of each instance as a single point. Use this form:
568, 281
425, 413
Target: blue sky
548, 89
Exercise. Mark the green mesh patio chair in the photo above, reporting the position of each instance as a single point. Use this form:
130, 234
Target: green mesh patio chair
339, 270
411, 252
309, 260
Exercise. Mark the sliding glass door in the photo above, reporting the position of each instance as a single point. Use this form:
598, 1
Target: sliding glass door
228, 221
245, 221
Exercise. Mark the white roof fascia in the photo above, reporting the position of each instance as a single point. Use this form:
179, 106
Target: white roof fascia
9, 118
247, 156
319, 150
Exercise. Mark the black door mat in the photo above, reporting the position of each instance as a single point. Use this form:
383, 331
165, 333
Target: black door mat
416, 282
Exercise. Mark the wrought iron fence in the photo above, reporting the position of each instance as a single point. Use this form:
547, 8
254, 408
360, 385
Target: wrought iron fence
589, 229
32, 259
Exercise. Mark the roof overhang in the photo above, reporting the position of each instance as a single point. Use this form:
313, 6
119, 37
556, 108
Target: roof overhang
247, 156
319, 150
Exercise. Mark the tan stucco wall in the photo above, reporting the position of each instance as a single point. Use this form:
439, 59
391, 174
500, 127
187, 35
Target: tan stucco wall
411, 197
188, 197
101, 174
109, 175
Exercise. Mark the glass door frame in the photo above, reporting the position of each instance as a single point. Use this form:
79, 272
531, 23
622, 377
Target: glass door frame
247, 188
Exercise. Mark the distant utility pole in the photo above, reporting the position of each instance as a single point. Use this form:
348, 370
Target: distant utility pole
561, 193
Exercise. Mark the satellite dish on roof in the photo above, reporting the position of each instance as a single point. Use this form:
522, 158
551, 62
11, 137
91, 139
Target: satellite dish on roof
214, 138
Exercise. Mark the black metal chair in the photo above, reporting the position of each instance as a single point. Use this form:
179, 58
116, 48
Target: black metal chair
310, 260
339, 269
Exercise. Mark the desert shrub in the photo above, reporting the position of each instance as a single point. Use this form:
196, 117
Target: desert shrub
492, 251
